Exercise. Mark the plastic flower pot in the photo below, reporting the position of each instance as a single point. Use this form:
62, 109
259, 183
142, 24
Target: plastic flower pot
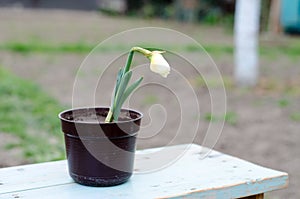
99, 153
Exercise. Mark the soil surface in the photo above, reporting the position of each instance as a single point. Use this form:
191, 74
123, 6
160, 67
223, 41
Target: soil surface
96, 116
258, 128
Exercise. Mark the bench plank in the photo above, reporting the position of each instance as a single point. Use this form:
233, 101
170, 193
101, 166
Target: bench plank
26, 177
217, 176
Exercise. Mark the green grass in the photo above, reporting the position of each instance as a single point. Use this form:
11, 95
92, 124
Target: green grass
283, 103
38, 46
229, 117
31, 115
295, 116
210, 118
85, 47
150, 99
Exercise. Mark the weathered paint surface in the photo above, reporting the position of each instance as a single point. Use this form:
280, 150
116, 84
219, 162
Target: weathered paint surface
218, 176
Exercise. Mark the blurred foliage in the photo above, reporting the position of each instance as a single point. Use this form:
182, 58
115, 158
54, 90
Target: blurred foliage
41, 46
150, 8
210, 118
216, 12
150, 100
283, 102
265, 12
204, 11
210, 12
270, 51
30, 115
295, 116
230, 118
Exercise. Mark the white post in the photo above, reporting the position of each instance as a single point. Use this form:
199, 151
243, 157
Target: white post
246, 31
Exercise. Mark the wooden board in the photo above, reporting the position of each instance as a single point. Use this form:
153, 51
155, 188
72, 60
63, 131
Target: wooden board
216, 176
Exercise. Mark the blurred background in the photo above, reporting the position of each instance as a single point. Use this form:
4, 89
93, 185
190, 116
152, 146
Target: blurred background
43, 42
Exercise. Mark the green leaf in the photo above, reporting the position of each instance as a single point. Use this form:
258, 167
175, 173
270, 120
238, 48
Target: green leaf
128, 63
119, 77
125, 95
129, 90
122, 86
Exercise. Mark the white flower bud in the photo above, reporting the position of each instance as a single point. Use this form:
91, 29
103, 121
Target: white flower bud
158, 64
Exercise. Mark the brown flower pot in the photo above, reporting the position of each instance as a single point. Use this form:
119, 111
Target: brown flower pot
98, 153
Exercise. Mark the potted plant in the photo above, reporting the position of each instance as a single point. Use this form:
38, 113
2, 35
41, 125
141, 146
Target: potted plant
100, 141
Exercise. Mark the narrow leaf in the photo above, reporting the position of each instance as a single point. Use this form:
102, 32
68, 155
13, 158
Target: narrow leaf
125, 95
128, 63
129, 90
122, 86
119, 77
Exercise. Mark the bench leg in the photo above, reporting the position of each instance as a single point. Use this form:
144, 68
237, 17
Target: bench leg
258, 196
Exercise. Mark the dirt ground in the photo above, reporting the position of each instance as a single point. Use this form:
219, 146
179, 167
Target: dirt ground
261, 129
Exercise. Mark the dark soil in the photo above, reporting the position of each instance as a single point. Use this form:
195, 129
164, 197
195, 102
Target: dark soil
95, 116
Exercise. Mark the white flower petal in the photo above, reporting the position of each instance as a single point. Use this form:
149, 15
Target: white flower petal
158, 64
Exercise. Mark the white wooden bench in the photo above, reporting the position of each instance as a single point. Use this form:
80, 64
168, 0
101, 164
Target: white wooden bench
217, 176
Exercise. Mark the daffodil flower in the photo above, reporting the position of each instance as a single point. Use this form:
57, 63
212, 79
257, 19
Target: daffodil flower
158, 64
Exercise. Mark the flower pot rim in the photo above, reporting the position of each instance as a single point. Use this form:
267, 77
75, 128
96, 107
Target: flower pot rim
99, 107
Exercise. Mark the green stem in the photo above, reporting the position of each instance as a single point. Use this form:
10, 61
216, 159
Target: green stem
145, 52
109, 117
